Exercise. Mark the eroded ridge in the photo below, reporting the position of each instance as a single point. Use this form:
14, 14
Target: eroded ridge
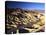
23, 19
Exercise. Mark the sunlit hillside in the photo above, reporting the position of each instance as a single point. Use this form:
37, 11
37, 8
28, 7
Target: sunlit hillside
24, 21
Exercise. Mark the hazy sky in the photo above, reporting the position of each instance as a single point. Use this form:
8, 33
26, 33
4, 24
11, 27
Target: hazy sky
29, 5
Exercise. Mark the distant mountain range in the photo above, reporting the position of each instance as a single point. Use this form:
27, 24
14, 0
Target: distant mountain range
41, 11
24, 10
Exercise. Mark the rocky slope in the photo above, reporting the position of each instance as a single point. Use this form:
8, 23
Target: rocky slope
23, 21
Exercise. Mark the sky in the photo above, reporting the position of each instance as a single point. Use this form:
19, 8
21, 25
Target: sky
25, 5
